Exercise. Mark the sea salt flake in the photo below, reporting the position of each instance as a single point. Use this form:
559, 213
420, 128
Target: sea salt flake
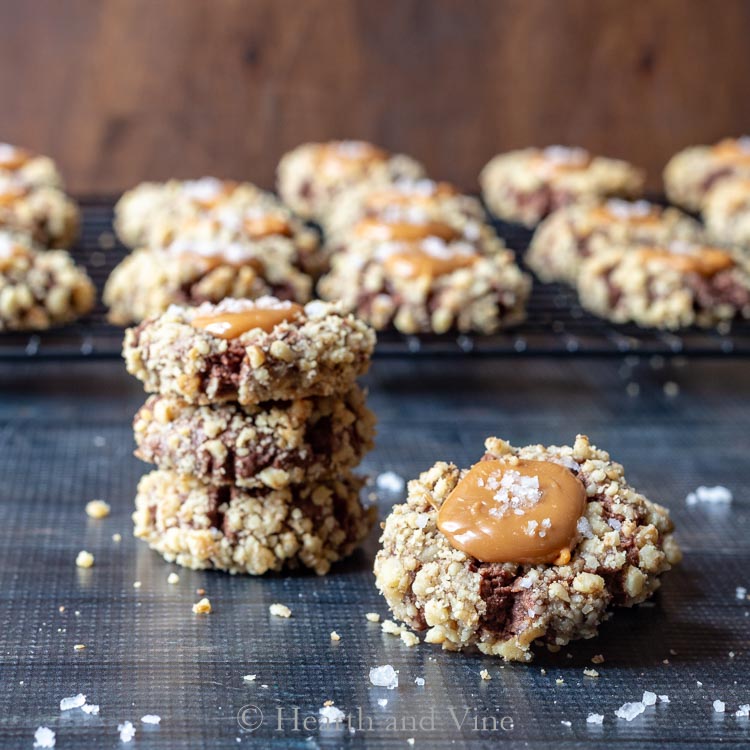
151, 719
249, 678
419, 681
566, 723
382, 702
385, 676
740, 592
743, 712
649, 698
75, 701
90, 708
595, 719
719, 706
44, 737
126, 730
663, 699
584, 528
422, 520
710, 495
331, 715
629, 711
390, 482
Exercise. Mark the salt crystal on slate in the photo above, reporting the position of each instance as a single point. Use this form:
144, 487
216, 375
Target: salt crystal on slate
595, 719
331, 715
126, 730
150, 719
629, 711
44, 737
710, 495
719, 706
391, 482
649, 698
384, 676
75, 701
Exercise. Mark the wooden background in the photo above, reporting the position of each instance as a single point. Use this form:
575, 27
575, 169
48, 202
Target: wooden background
122, 90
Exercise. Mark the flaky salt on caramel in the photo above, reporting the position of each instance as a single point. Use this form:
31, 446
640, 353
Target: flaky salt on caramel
231, 324
522, 512
385, 198
414, 262
13, 157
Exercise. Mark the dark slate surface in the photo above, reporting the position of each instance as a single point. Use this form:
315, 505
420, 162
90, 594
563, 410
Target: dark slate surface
65, 439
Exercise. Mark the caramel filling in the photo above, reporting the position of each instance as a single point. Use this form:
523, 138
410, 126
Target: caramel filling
214, 260
12, 157
379, 200
208, 195
9, 194
705, 261
265, 226
230, 325
412, 263
634, 214
342, 158
524, 512
404, 231
733, 150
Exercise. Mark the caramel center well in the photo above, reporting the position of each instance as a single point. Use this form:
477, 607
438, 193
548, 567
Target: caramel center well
412, 263
523, 512
404, 231
705, 261
230, 325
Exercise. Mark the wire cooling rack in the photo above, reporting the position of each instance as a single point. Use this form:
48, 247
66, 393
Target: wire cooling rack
555, 326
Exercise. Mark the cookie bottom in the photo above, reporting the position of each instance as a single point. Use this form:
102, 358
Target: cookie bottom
203, 526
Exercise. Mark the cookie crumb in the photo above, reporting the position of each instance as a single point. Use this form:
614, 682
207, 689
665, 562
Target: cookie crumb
97, 509
597, 659
409, 638
173, 578
136, 584
373, 617
485, 675
79, 647
590, 673
559, 681
84, 559
391, 627
200, 592
671, 389
203, 607
280, 610
335, 636
116, 537
44, 737
61, 608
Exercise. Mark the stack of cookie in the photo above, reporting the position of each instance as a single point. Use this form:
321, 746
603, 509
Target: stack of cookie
203, 240
255, 428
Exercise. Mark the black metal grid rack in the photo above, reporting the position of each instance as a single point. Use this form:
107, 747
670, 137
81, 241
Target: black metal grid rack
556, 325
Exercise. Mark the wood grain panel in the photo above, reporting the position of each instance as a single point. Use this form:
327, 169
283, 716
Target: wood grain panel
122, 90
